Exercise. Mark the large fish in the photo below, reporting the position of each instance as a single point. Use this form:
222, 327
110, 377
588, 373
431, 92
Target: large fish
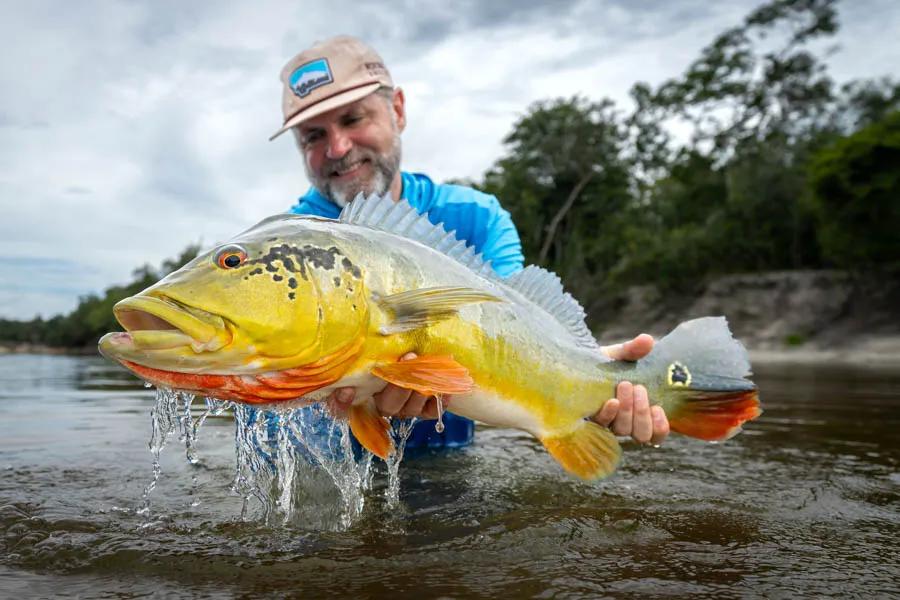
297, 306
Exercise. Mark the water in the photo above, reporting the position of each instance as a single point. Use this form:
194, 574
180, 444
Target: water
805, 503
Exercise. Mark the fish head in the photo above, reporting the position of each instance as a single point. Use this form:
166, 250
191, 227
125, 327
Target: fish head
279, 296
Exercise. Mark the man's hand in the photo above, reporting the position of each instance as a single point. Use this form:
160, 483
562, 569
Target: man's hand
630, 413
394, 401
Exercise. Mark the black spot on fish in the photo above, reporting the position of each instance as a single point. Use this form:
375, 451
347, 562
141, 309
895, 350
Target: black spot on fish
256, 271
349, 266
337, 282
292, 283
292, 295
321, 315
272, 239
354, 307
296, 259
277, 277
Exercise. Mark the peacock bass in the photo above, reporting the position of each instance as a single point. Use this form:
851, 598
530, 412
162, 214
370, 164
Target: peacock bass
298, 306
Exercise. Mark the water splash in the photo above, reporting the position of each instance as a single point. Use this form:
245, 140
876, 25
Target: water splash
250, 478
328, 442
281, 456
164, 420
401, 430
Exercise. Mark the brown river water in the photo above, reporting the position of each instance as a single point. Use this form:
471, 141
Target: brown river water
804, 503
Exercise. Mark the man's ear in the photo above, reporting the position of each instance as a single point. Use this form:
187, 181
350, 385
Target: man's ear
399, 108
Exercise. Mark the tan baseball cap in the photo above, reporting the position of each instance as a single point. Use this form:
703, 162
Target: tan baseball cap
332, 73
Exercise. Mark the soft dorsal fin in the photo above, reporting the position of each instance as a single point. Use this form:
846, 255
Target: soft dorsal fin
400, 218
546, 290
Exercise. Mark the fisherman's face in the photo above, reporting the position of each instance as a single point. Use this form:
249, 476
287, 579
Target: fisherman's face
354, 148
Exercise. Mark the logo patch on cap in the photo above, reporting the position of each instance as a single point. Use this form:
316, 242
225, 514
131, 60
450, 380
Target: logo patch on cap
310, 76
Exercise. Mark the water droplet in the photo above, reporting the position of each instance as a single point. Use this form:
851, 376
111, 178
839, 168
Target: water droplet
439, 425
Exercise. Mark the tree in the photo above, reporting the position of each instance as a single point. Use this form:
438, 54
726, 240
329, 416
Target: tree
855, 194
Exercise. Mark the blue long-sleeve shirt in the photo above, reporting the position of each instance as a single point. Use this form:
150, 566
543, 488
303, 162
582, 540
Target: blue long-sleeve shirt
476, 217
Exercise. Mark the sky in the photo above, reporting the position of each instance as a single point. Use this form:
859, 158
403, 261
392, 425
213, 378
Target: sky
130, 129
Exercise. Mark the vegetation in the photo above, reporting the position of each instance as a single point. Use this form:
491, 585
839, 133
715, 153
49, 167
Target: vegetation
780, 169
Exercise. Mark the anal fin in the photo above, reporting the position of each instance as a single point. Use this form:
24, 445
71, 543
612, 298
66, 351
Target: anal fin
588, 452
428, 375
371, 429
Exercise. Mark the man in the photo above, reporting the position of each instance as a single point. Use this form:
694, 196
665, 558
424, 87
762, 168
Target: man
340, 103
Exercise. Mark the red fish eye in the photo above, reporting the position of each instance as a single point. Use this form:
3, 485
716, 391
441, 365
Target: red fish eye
231, 257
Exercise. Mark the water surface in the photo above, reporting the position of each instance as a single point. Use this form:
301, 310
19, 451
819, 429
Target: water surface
803, 503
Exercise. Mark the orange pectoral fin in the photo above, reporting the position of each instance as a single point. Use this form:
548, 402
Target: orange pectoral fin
371, 429
428, 375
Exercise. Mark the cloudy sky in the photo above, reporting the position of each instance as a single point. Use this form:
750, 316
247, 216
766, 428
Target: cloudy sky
130, 129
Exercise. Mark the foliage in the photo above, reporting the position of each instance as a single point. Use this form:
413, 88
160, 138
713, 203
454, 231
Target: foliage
855, 193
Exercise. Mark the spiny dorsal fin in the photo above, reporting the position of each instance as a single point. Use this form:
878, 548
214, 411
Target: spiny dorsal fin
400, 218
546, 290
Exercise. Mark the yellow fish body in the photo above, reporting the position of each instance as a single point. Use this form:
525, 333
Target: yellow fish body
296, 307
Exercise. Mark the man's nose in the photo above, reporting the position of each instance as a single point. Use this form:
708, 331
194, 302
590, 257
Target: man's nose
339, 145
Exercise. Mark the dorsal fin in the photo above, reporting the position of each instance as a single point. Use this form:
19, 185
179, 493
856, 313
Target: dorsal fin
538, 285
400, 218
545, 289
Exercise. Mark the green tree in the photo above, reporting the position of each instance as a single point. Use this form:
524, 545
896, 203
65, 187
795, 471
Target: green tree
855, 194
566, 182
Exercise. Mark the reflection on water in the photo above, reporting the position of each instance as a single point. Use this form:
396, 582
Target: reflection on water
805, 502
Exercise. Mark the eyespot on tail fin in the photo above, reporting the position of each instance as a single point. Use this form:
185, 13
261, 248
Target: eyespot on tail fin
706, 392
714, 417
370, 429
588, 452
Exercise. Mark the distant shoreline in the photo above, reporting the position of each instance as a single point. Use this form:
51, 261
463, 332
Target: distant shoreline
27, 348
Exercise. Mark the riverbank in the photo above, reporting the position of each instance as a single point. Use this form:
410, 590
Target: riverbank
801, 317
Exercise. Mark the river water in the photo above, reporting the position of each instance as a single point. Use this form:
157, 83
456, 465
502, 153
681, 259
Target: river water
805, 502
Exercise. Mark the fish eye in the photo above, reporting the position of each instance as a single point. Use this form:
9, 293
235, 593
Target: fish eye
230, 257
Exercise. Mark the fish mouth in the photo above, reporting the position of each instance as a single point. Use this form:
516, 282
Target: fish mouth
159, 323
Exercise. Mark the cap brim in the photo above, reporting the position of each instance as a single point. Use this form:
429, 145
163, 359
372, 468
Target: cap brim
327, 104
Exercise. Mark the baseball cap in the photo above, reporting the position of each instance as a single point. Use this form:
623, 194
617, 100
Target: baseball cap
332, 73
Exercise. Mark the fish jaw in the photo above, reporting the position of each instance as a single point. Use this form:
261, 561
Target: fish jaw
163, 334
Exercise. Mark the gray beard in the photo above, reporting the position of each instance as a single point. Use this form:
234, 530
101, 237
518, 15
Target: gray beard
385, 168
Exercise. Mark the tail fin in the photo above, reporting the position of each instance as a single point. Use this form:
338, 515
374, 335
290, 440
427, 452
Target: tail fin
705, 390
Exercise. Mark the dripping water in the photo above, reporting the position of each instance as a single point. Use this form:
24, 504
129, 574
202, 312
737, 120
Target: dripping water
281, 457
439, 424
400, 431
163, 419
